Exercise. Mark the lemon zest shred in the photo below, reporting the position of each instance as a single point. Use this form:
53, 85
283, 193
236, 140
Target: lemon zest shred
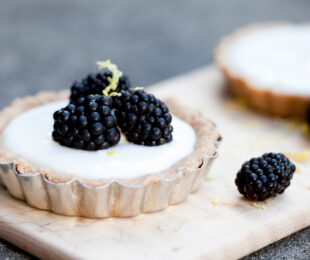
175, 230
251, 124
113, 154
116, 74
138, 88
115, 94
159, 227
304, 128
209, 177
294, 124
303, 156
237, 104
216, 202
258, 206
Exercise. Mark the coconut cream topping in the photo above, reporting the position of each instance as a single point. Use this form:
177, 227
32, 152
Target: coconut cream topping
29, 136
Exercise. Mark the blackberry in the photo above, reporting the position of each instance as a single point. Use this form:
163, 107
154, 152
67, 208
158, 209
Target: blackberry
264, 177
88, 124
143, 118
94, 84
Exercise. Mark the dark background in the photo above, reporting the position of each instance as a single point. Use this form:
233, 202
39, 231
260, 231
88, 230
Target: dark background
46, 45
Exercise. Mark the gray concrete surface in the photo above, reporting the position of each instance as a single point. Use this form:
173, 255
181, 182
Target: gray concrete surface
45, 45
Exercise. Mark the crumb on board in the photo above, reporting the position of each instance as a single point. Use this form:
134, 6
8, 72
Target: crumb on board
258, 206
263, 140
303, 156
159, 227
297, 124
175, 230
251, 124
298, 169
175, 249
236, 104
293, 124
210, 176
216, 202
113, 154
305, 129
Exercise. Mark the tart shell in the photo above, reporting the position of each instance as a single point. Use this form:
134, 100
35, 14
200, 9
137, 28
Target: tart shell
67, 194
266, 101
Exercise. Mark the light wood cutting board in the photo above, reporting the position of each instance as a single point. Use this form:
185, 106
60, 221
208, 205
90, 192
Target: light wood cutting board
199, 228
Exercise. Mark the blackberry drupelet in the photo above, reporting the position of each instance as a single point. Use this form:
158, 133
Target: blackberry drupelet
143, 118
264, 177
88, 124
95, 84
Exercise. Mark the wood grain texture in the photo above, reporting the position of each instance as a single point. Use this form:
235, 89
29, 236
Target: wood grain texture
195, 229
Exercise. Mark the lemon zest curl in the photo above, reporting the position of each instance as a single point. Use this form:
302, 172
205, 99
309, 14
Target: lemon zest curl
109, 91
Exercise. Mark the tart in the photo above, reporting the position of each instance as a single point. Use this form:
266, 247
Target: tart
268, 65
123, 179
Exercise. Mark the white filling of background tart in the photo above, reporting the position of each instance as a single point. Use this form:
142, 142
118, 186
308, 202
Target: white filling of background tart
275, 58
29, 137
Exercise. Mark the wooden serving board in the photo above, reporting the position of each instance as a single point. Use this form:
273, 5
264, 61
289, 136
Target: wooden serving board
214, 223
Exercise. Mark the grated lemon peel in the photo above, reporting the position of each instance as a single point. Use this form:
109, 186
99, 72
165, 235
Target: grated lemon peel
113, 154
159, 227
258, 206
294, 124
210, 177
251, 124
109, 91
297, 124
305, 129
116, 74
237, 104
216, 202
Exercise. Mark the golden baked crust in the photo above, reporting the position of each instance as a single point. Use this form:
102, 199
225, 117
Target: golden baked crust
206, 138
263, 100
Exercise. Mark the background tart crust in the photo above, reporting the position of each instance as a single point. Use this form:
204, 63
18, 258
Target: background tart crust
205, 145
263, 100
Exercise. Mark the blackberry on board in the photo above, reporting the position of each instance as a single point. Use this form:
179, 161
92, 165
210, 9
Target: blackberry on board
87, 124
264, 177
143, 118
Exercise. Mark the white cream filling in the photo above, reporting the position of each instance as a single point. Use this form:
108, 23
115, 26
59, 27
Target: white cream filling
29, 136
274, 58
